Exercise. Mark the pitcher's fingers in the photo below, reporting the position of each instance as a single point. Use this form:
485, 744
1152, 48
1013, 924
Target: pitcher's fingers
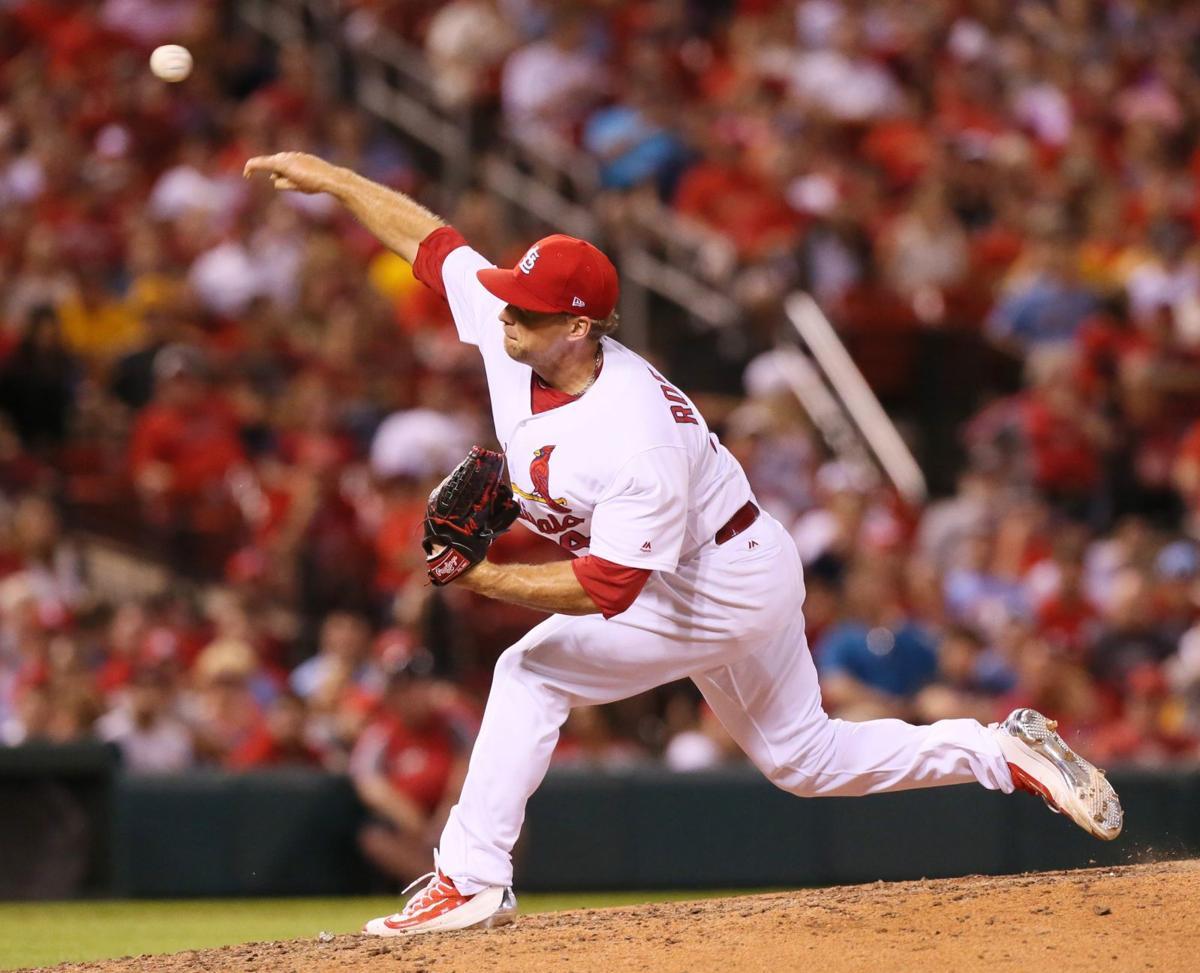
283, 182
260, 163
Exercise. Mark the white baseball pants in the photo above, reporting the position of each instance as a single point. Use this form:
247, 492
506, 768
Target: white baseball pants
730, 619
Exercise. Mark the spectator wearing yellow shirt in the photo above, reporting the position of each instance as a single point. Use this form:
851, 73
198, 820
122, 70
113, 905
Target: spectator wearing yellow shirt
95, 323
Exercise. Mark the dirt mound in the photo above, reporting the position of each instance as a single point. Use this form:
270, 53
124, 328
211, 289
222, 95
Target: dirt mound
1140, 917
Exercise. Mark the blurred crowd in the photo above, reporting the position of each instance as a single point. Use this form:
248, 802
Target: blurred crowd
241, 387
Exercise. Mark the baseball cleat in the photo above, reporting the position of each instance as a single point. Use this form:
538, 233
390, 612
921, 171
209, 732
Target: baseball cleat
440, 907
1041, 762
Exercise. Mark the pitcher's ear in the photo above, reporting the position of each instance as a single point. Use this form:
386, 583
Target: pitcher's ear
580, 326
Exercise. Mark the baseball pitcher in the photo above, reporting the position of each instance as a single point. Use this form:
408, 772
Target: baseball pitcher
677, 573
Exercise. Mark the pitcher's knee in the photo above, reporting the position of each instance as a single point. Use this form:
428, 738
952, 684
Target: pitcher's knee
508, 665
792, 779
802, 770
512, 669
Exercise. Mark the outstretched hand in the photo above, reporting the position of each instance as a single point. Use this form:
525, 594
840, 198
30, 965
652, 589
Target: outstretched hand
397, 221
298, 171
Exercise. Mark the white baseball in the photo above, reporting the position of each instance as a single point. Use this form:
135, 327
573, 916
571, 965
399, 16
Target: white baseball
171, 62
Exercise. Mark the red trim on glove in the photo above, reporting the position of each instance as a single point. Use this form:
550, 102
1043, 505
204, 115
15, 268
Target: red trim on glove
432, 253
613, 587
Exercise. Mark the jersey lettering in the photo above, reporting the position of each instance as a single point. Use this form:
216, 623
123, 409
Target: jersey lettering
682, 412
551, 524
572, 540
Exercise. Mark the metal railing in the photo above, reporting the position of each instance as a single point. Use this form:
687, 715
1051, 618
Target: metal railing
860, 404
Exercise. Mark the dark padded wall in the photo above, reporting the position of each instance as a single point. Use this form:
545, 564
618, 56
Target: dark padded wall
294, 832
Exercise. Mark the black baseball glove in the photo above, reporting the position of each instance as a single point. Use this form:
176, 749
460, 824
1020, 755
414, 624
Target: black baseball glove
466, 512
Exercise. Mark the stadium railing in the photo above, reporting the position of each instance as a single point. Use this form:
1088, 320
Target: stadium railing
860, 405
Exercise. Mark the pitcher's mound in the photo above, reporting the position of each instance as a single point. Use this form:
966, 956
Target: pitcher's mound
1140, 917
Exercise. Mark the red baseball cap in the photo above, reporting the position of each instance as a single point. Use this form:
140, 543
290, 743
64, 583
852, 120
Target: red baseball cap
558, 274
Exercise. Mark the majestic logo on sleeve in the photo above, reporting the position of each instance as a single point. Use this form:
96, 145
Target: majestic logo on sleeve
560, 529
527, 261
539, 475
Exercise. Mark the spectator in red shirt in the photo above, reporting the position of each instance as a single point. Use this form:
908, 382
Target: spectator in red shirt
1150, 729
126, 632
725, 194
279, 741
408, 768
1105, 342
1066, 617
1046, 677
184, 445
411, 451
1065, 436
222, 710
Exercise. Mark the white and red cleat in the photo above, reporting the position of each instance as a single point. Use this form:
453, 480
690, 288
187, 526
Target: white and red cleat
440, 907
1041, 762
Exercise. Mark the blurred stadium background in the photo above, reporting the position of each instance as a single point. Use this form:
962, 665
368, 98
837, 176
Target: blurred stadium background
221, 408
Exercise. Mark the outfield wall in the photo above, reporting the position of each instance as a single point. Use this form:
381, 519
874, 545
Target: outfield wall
294, 832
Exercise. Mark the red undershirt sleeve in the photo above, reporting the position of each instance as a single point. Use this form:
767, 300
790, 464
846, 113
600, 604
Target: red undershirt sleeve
432, 253
613, 587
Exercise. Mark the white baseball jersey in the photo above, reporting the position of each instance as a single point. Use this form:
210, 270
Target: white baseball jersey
628, 472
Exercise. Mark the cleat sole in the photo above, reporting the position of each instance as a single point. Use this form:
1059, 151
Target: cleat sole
1042, 762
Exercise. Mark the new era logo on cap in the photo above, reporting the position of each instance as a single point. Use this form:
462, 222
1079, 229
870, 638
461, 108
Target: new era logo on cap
558, 275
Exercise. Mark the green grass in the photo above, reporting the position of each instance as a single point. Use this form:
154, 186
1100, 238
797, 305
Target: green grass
45, 933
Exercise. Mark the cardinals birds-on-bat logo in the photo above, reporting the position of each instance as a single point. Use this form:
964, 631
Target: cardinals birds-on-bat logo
539, 475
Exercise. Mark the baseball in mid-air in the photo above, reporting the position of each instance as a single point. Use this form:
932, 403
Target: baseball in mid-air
171, 62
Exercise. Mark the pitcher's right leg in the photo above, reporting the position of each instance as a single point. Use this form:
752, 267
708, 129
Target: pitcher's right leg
508, 761
563, 662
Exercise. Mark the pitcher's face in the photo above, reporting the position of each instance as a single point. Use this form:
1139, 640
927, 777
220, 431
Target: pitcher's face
533, 338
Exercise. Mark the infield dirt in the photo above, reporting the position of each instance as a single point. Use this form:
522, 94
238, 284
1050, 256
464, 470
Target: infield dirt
1139, 917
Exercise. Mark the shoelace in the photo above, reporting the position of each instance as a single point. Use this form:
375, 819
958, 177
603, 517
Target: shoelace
422, 898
